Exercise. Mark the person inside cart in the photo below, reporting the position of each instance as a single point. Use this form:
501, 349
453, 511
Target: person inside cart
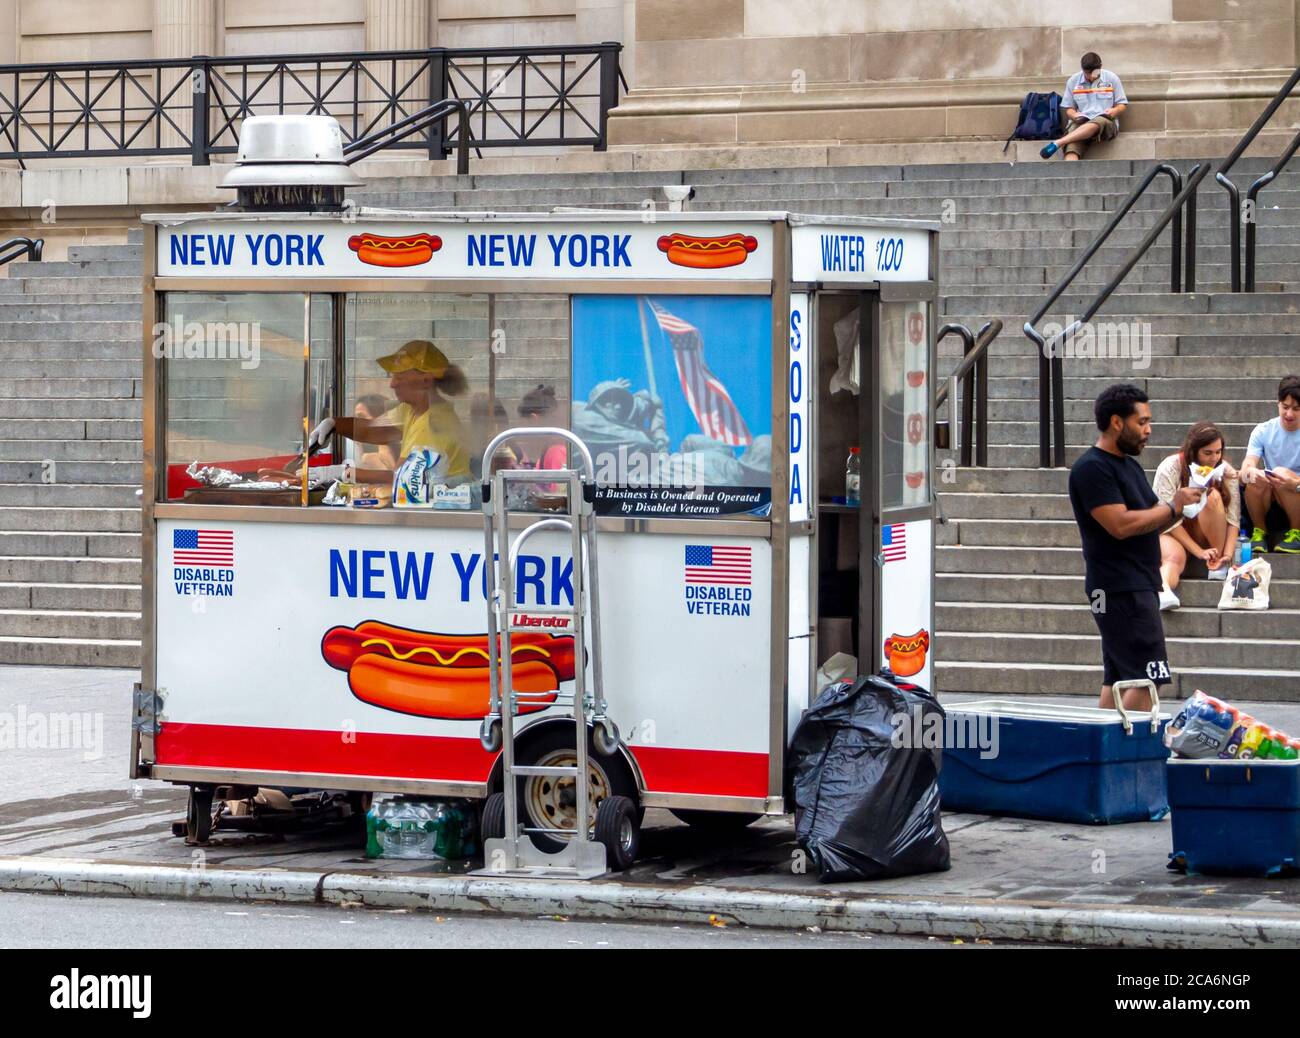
1271, 473
1120, 519
421, 379
371, 408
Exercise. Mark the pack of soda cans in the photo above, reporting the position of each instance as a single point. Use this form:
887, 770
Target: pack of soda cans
1208, 728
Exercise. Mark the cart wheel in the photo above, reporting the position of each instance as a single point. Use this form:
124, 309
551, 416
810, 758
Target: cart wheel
618, 830
492, 826
605, 737
548, 802
198, 815
714, 821
489, 734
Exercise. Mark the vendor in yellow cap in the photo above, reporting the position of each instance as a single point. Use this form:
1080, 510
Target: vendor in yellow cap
422, 378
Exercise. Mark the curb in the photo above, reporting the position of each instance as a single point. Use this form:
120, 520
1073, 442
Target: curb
966, 918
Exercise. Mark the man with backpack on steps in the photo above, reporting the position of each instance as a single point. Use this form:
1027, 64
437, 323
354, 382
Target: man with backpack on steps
1093, 102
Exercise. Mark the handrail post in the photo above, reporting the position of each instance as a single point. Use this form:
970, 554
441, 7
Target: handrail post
982, 403
200, 85
608, 90
462, 138
1189, 275
1234, 230
1175, 232
438, 92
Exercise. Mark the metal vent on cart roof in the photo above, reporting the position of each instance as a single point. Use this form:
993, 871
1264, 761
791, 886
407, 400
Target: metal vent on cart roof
290, 162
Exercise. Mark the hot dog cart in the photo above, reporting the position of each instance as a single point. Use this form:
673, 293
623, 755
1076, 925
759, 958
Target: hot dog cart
717, 366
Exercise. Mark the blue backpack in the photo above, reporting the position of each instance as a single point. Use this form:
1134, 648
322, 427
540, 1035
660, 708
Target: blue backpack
1040, 119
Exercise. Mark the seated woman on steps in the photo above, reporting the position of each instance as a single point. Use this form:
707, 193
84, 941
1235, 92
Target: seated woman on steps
1212, 534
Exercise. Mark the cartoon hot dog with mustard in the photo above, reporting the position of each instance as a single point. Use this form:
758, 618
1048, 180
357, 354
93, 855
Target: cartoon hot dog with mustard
445, 676
906, 656
727, 250
381, 250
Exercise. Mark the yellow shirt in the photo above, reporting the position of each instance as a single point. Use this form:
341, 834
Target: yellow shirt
439, 429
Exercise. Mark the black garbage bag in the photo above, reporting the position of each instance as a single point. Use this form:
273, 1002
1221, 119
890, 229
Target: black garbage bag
865, 808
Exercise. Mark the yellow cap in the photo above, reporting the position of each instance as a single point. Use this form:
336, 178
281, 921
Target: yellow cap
416, 355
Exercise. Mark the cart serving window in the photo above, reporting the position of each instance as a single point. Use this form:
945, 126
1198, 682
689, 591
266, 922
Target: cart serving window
321, 389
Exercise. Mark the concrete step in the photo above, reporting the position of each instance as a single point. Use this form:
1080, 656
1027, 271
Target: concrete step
71, 597
58, 269
64, 570
67, 495
68, 388
1053, 619
1078, 650
117, 473
1167, 412
78, 624
1039, 679
69, 450
1140, 365
44, 365
1020, 588
1005, 506
68, 429
64, 519
98, 408
1165, 435
1056, 561
1086, 387
983, 533
75, 545
71, 652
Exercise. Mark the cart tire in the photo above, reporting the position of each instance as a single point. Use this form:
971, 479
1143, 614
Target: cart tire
615, 780
714, 821
492, 825
198, 815
618, 829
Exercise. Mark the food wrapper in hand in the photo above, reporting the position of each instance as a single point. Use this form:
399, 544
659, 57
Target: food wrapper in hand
1201, 476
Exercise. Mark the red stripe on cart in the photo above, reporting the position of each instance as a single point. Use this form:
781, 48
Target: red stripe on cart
436, 758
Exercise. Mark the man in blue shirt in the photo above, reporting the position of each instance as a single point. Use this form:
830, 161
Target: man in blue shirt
1093, 102
1270, 470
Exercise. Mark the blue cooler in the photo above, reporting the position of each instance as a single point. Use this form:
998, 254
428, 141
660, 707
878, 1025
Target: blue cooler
1235, 817
1062, 763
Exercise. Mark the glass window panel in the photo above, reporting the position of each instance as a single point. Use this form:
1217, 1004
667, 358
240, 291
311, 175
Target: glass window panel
905, 404
673, 396
234, 381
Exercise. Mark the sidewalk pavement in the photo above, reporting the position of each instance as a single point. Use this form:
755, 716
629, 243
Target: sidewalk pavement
70, 824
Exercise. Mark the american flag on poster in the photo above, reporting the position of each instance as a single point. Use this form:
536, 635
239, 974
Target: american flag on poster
708, 398
713, 564
893, 542
203, 548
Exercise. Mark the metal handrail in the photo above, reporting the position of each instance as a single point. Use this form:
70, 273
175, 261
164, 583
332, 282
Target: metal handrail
439, 112
1234, 194
1252, 197
16, 247
1051, 370
973, 373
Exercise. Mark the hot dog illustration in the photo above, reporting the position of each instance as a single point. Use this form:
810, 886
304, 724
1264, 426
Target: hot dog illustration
906, 656
445, 676
727, 250
380, 250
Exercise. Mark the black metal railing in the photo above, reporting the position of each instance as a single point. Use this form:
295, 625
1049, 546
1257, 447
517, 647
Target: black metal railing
1235, 213
435, 116
1051, 367
973, 374
15, 247
558, 96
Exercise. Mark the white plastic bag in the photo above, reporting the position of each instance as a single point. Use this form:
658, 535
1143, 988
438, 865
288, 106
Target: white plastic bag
840, 667
846, 346
1247, 586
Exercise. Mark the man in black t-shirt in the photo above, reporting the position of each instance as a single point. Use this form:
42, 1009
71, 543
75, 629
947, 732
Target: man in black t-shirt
1120, 520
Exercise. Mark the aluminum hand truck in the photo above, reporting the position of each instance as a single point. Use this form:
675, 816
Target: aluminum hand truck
507, 849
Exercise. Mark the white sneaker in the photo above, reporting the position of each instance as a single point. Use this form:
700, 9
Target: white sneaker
1168, 600
1220, 574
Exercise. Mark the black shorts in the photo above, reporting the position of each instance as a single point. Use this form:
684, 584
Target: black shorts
1132, 636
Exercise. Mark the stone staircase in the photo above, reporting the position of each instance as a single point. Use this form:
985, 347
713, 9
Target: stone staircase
1011, 617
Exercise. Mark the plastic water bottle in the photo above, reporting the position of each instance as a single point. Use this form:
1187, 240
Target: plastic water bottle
853, 478
1242, 554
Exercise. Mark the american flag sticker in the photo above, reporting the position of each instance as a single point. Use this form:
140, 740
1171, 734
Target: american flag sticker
714, 564
203, 548
893, 542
